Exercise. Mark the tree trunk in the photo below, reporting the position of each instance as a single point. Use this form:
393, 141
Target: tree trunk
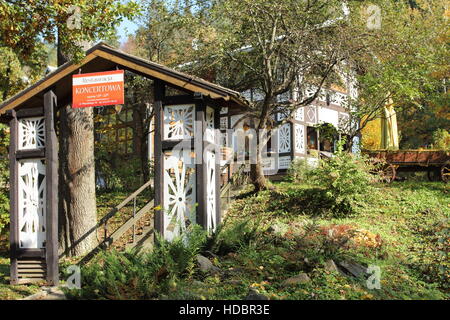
257, 177
77, 213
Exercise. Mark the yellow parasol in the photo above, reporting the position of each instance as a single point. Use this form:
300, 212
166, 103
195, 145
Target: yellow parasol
389, 131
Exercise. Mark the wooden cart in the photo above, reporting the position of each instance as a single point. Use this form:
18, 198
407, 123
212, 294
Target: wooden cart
435, 162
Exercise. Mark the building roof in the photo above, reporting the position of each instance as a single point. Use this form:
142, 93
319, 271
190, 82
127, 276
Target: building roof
102, 57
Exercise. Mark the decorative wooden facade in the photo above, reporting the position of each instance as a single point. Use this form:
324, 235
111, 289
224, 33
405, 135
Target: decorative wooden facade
186, 149
298, 137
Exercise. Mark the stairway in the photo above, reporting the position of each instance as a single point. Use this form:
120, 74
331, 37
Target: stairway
138, 230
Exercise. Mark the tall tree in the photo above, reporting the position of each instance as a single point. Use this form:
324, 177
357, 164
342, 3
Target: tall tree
403, 58
273, 46
67, 24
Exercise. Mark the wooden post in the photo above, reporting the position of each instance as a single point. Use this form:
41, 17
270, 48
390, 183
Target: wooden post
200, 167
159, 94
13, 194
217, 140
51, 165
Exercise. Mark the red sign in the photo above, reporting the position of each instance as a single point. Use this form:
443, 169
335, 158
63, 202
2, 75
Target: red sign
98, 89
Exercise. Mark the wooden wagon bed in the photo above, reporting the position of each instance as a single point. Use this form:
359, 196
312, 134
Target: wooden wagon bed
435, 162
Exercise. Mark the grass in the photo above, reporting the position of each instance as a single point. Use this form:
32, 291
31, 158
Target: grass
403, 228
9, 292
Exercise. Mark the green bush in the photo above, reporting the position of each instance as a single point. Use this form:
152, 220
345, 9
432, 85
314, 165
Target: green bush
139, 275
299, 170
441, 139
345, 179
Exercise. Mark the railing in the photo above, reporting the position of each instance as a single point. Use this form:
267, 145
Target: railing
108, 237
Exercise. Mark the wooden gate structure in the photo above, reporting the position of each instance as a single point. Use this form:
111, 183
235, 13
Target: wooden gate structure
186, 155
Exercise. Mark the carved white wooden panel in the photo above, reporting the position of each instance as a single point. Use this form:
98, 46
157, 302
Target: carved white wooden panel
223, 123
179, 122
258, 95
211, 191
209, 130
247, 94
344, 119
284, 162
299, 114
223, 110
340, 99
299, 138
284, 138
309, 91
32, 204
268, 163
284, 96
31, 133
329, 116
282, 115
311, 114
179, 193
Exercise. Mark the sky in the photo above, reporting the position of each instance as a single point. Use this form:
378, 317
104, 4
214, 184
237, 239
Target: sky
125, 28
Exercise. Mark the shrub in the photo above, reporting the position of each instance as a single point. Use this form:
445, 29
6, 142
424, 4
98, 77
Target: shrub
345, 178
139, 275
231, 237
441, 139
299, 170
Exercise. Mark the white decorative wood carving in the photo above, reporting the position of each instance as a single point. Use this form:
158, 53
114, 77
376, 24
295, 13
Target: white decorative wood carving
284, 97
247, 94
258, 95
223, 123
179, 193
31, 133
299, 114
311, 114
299, 138
211, 191
268, 163
284, 138
340, 99
284, 162
223, 110
179, 122
32, 205
209, 130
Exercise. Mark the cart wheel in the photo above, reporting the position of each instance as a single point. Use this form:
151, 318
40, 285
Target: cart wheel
445, 172
388, 173
434, 175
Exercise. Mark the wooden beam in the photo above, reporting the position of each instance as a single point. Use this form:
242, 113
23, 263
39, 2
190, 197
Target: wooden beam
159, 94
200, 167
30, 154
30, 112
13, 197
51, 165
217, 164
46, 83
159, 75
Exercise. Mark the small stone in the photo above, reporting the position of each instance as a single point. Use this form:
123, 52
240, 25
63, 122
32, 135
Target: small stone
331, 266
205, 265
354, 269
300, 279
254, 294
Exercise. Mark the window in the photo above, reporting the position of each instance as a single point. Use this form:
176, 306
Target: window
311, 138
